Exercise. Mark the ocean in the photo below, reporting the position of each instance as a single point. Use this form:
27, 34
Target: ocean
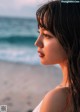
17, 37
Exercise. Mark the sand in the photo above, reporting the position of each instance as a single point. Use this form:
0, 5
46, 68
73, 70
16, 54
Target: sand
23, 86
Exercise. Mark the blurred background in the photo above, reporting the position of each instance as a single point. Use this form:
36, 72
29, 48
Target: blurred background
23, 80
18, 31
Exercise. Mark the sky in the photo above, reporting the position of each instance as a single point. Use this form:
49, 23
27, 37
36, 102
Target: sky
18, 8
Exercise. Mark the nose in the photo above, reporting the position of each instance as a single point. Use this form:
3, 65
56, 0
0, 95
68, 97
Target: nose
39, 42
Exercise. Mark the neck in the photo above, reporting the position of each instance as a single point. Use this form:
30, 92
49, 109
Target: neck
64, 68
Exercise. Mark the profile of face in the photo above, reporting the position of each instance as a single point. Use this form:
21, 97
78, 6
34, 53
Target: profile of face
49, 49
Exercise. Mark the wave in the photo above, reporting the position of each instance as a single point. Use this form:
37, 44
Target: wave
19, 55
25, 40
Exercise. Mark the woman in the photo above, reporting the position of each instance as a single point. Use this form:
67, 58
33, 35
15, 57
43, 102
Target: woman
59, 43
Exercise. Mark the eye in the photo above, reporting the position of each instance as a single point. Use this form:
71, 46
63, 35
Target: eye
47, 36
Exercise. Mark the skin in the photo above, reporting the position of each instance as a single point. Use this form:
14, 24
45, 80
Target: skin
51, 52
50, 47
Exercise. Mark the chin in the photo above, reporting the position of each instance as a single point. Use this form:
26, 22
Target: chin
47, 63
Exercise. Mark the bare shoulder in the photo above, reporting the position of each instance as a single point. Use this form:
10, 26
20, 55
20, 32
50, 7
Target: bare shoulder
55, 100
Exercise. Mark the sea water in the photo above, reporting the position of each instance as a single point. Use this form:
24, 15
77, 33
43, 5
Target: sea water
17, 37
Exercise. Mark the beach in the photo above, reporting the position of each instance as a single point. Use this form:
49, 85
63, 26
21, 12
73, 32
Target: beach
23, 86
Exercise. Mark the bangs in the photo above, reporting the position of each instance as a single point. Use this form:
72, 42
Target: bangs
41, 17
46, 17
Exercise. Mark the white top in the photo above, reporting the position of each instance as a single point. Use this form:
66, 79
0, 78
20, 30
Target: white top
37, 109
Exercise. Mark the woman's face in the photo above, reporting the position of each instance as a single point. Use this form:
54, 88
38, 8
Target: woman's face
49, 49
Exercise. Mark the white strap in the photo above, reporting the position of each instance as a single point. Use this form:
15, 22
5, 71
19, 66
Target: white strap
37, 109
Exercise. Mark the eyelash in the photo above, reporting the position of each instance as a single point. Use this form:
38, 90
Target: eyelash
46, 35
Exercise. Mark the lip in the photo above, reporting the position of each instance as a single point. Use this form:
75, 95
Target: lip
41, 54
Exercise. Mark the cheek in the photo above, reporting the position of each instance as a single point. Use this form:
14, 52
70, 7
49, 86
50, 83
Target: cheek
50, 48
54, 53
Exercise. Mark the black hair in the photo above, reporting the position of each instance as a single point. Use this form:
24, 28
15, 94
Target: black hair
63, 20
